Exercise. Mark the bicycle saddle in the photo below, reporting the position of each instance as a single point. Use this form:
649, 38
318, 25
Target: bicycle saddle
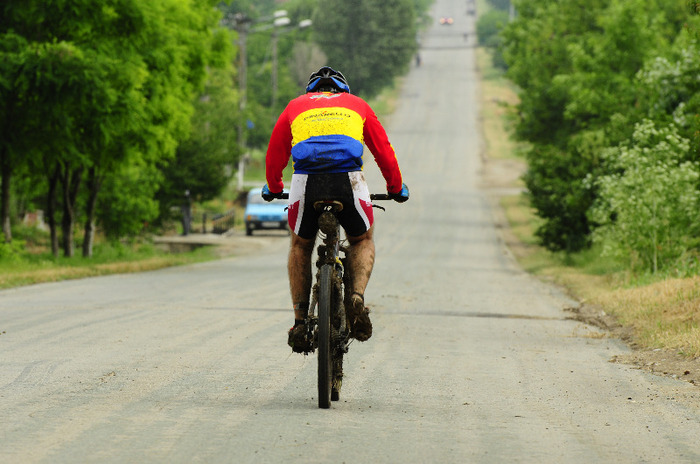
328, 205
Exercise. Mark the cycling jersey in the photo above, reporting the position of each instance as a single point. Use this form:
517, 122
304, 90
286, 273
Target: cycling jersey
324, 132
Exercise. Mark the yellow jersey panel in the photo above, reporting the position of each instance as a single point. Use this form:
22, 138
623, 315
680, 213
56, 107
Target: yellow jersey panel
327, 121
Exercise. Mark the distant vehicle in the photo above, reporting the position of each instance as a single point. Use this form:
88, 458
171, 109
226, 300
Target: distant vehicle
446, 20
260, 214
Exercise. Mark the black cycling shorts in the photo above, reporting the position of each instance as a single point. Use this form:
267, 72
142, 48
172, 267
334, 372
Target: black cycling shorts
349, 188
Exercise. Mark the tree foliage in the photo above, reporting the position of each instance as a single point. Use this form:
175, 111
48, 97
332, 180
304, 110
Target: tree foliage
111, 109
577, 64
489, 26
488, 32
647, 205
93, 86
669, 89
371, 42
204, 161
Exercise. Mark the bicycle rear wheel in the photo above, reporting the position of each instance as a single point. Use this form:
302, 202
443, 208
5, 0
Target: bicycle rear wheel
325, 353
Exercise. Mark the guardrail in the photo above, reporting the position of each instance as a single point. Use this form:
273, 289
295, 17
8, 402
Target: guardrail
217, 223
221, 223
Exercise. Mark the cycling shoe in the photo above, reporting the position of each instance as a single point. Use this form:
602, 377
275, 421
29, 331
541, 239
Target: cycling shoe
298, 339
358, 318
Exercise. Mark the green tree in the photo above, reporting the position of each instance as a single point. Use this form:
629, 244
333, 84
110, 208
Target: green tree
104, 83
536, 49
693, 6
127, 201
668, 88
371, 42
488, 31
53, 80
12, 142
203, 163
576, 62
489, 26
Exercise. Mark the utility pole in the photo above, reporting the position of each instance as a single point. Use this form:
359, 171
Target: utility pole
241, 25
280, 20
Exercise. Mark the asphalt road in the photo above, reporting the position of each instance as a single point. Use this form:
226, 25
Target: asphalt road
471, 360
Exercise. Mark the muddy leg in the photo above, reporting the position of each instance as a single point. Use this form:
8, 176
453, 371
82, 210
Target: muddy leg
299, 269
361, 260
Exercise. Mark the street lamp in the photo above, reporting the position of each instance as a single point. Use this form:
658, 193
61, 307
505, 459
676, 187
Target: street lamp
281, 20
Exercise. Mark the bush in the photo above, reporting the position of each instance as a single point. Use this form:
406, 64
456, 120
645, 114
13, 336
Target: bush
127, 201
488, 29
647, 207
12, 252
554, 180
490, 25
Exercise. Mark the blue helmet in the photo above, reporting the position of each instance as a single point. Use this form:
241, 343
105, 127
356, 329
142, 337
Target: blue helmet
327, 78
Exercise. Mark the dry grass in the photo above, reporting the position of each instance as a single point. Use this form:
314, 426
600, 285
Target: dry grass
664, 314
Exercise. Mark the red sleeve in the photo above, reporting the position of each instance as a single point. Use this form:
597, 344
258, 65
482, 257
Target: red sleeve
278, 152
378, 143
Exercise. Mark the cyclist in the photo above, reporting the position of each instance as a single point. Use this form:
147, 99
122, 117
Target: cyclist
324, 131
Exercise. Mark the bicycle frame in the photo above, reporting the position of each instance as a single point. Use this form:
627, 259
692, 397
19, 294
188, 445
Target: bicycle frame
326, 321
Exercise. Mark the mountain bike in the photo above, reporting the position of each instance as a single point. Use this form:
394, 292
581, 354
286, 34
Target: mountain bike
326, 321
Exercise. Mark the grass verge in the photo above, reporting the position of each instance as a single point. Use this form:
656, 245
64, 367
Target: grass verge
40, 266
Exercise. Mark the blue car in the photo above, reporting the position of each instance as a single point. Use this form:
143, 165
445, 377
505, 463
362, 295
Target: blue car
260, 214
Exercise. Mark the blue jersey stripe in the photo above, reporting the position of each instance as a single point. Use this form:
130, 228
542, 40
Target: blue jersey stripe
327, 153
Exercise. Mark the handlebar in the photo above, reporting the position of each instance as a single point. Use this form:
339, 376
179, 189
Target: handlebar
372, 196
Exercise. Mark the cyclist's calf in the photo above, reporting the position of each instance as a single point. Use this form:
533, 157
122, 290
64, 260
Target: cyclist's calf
299, 269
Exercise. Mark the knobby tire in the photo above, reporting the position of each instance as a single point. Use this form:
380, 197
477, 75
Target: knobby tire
325, 353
